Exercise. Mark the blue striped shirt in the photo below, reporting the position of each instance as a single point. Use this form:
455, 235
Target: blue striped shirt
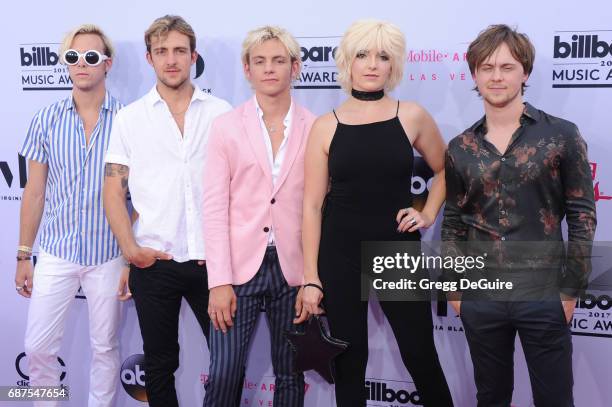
74, 226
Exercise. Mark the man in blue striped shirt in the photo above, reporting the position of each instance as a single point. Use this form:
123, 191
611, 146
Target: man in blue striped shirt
65, 146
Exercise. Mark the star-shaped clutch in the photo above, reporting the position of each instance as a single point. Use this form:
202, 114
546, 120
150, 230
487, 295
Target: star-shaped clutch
314, 349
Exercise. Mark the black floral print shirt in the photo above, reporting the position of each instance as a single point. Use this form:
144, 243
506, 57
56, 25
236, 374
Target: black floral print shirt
523, 194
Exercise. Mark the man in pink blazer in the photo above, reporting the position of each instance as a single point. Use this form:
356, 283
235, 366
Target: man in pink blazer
252, 219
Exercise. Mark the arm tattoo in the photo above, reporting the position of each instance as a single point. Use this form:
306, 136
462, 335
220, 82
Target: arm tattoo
118, 170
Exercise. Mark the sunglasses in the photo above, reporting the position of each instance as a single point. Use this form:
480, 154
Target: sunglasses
91, 57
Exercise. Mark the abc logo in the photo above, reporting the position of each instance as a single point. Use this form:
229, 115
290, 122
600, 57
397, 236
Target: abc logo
133, 377
26, 377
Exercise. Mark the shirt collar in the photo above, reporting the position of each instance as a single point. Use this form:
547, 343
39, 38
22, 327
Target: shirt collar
260, 112
153, 97
109, 102
530, 115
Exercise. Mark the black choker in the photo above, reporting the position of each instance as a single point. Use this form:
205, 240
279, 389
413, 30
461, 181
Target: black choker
361, 95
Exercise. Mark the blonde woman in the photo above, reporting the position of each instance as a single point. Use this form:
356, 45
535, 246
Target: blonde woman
359, 161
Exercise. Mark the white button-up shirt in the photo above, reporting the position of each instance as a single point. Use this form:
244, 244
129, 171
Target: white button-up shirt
275, 162
166, 170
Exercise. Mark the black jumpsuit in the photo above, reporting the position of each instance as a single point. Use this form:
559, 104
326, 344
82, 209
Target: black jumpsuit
370, 167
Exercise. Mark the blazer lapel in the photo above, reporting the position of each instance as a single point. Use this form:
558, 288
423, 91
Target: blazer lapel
296, 138
253, 130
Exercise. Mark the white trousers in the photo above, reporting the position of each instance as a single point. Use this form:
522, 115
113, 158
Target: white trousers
56, 282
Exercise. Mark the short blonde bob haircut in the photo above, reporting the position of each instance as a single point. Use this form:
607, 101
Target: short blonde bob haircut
262, 34
109, 51
371, 35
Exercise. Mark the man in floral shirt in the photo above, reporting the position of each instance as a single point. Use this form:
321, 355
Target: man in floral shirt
512, 177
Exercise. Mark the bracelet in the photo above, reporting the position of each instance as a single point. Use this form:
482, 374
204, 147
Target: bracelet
26, 249
314, 285
24, 258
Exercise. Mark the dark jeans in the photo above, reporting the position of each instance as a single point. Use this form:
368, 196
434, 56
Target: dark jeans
157, 292
490, 329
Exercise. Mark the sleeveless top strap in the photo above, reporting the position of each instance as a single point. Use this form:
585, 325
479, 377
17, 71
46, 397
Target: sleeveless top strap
338, 120
397, 111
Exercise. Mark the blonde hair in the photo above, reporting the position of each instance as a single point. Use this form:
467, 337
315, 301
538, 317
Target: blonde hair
371, 35
109, 51
163, 25
262, 34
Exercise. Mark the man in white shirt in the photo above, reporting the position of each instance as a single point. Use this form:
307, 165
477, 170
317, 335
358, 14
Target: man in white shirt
157, 152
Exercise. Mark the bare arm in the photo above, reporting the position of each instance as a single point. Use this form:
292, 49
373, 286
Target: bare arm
123, 290
32, 206
428, 142
431, 146
114, 193
32, 202
134, 216
316, 182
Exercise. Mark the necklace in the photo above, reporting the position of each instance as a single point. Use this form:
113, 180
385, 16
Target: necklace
271, 129
368, 96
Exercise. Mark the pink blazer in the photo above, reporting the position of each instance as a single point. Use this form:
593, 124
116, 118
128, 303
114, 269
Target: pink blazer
241, 204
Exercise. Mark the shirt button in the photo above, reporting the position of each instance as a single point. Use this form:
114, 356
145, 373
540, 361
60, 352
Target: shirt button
503, 158
266, 229
503, 238
503, 212
272, 201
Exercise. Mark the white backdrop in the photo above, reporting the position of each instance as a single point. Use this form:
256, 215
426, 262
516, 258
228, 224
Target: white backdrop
436, 76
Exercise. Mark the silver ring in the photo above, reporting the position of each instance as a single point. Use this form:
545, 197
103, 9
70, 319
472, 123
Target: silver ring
19, 288
414, 222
